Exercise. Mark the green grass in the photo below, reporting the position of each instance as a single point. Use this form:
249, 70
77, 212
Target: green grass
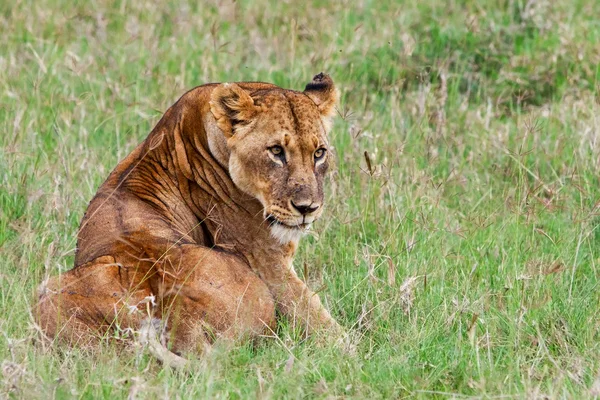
482, 124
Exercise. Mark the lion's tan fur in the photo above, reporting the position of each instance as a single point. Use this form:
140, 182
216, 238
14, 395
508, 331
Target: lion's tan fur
178, 232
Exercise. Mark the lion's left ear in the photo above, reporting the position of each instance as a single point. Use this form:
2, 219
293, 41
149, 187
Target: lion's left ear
232, 108
323, 92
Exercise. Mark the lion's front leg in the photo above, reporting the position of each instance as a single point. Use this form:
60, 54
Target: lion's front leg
297, 302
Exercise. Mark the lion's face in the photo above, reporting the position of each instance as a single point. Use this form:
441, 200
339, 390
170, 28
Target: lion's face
278, 149
281, 160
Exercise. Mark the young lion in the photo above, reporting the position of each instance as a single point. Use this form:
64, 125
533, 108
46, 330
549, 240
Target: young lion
198, 226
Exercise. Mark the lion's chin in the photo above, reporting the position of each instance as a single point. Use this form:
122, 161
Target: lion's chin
286, 233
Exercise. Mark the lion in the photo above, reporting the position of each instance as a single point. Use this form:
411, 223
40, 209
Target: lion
195, 231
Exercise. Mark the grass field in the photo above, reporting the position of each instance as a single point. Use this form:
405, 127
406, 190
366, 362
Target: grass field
463, 258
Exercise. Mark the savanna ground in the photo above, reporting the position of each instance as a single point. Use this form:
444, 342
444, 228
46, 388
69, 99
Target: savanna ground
463, 256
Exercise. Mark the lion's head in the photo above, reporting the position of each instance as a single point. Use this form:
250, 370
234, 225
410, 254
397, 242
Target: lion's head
274, 143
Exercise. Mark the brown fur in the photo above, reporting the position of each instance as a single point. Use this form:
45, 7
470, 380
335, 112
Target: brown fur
199, 224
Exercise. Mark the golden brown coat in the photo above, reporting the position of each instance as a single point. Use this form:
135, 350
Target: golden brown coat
198, 226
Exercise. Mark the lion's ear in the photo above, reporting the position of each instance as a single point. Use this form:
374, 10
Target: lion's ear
232, 107
322, 91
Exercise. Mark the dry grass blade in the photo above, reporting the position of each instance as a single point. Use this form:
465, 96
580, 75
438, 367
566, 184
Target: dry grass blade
368, 160
149, 337
391, 272
407, 293
595, 389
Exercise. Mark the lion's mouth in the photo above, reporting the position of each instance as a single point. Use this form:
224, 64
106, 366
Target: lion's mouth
273, 221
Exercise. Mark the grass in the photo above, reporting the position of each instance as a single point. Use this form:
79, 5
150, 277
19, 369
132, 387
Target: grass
464, 257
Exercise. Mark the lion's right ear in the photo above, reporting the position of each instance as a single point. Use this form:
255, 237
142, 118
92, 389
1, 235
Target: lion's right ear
232, 107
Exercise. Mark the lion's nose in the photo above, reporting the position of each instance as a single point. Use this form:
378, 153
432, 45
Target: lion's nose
305, 209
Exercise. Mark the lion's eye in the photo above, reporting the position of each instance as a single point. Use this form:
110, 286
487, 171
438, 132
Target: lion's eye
319, 153
277, 151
